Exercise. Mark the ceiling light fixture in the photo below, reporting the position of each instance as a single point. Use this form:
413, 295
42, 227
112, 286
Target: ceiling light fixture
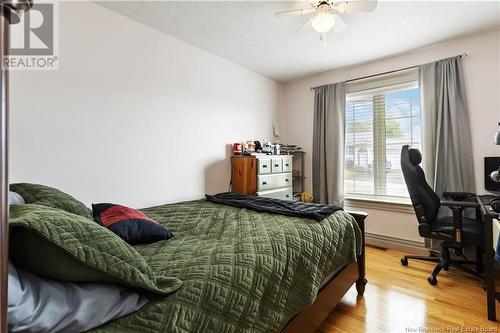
327, 14
324, 20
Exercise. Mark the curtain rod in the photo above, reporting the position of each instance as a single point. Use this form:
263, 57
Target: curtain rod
383, 73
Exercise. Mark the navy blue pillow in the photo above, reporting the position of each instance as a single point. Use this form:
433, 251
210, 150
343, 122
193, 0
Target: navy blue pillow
132, 225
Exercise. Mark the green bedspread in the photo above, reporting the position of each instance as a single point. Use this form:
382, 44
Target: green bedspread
242, 271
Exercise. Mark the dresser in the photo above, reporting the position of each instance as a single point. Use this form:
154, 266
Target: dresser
266, 176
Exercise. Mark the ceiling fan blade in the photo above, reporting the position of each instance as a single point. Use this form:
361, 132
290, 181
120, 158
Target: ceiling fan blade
339, 25
355, 6
305, 24
294, 12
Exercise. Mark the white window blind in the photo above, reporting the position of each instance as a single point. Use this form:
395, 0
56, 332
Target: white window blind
382, 115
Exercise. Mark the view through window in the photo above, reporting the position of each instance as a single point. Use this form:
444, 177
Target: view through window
378, 123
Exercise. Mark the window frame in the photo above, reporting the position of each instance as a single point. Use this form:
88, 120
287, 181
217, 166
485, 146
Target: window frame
380, 84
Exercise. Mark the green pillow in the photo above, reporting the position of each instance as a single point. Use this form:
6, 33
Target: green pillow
50, 197
55, 244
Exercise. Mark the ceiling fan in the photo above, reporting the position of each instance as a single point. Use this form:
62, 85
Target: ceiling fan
327, 14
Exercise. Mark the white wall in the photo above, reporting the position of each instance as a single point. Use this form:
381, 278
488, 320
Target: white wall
482, 73
133, 116
137, 117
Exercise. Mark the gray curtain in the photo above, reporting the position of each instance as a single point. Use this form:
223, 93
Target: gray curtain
446, 143
447, 147
328, 144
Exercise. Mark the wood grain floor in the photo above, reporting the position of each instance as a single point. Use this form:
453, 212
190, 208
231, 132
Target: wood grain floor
399, 299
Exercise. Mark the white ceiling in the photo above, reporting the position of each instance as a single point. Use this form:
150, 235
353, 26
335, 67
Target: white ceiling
248, 34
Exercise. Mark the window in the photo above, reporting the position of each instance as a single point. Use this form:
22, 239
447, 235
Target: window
382, 115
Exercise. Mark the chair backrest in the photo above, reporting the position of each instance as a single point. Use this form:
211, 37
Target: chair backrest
425, 201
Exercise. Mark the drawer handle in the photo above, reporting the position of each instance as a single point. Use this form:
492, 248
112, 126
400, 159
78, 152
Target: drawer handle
264, 183
287, 165
276, 165
288, 195
287, 180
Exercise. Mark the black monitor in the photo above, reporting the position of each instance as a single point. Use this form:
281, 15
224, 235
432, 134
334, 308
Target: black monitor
491, 164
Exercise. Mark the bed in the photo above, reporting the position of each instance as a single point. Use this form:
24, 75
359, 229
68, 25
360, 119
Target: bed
246, 271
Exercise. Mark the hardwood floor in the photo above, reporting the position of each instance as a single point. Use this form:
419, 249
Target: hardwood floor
399, 299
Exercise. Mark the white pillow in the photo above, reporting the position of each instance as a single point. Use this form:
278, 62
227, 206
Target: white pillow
15, 199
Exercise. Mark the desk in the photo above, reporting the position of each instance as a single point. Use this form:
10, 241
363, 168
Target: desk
491, 231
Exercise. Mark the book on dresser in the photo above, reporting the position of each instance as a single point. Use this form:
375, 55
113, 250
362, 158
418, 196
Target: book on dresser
267, 176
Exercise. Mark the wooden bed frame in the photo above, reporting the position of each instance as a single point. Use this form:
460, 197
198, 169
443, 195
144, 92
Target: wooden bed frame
330, 295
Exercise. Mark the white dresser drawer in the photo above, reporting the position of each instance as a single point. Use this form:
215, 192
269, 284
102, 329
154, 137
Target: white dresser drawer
269, 182
276, 165
287, 163
264, 165
281, 193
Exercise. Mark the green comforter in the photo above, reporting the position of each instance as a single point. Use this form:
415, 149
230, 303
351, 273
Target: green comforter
242, 271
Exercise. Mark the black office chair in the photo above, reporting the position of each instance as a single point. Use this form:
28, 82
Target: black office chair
455, 232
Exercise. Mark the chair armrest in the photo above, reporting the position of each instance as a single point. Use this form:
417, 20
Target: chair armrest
459, 204
457, 196
457, 207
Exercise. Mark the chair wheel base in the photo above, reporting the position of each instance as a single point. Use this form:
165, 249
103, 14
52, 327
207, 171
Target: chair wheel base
432, 280
404, 261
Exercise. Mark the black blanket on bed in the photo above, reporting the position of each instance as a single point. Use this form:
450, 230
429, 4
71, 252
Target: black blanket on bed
275, 206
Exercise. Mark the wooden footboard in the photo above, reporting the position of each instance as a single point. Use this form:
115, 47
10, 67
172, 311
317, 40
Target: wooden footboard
330, 295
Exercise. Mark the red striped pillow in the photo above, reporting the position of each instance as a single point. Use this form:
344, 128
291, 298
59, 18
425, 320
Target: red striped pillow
132, 225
